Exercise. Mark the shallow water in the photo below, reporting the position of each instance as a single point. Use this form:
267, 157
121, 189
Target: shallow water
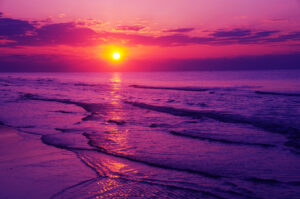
166, 135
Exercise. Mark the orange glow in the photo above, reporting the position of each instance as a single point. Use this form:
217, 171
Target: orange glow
113, 53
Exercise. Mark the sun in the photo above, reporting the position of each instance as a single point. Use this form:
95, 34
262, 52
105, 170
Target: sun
116, 55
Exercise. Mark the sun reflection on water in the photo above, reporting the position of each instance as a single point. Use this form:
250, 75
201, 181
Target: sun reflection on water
118, 133
115, 82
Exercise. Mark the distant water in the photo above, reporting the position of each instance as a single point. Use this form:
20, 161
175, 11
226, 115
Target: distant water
166, 135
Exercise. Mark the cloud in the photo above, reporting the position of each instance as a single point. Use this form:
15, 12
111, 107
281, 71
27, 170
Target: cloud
13, 27
89, 22
25, 33
295, 36
181, 39
180, 30
53, 34
130, 28
232, 33
265, 33
251, 38
231, 37
65, 34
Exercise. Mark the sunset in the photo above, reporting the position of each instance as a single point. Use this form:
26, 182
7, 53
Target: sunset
149, 99
72, 32
116, 55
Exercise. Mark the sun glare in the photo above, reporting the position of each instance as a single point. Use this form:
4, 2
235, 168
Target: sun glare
116, 55
113, 54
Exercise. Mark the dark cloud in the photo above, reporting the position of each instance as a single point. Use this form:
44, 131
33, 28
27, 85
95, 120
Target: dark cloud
13, 27
232, 33
54, 34
130, 28
295, 36
64, 33
265, 33
181, 39
254, 37
180, 30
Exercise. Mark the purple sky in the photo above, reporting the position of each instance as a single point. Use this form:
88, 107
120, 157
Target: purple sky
78, 31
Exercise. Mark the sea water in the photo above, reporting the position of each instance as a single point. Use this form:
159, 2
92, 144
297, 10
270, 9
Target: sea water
225, 134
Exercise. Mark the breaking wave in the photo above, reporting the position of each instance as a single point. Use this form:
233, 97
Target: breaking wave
278, 93
171, 88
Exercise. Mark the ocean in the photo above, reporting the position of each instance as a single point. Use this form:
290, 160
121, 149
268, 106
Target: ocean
224, 134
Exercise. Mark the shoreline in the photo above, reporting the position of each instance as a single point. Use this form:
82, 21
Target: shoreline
31, 169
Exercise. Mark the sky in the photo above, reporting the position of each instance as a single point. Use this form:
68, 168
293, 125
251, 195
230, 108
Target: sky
82, 35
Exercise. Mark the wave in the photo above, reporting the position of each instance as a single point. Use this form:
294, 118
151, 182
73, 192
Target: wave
96, 110
277, 93
101, 184
45, 80
94, 144
188, 88
219, 116
264, 181
291, 133
65, 112
126, 188
84, 142
163, 164
92, 117
71, 130
117, 122
89, 107
67, 141
97, 162
197, 104
171, 88
215, 138
271, 181
89, 85
5, 84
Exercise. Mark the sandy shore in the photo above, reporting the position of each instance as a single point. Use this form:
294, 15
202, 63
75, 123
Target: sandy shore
31, 169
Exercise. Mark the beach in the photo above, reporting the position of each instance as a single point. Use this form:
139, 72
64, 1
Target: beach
31, 169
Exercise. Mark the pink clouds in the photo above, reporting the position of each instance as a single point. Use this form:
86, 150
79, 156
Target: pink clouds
130, 28
180, 30
65, 34
70, 34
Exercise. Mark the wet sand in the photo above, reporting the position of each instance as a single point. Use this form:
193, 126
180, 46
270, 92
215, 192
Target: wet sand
31, 169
